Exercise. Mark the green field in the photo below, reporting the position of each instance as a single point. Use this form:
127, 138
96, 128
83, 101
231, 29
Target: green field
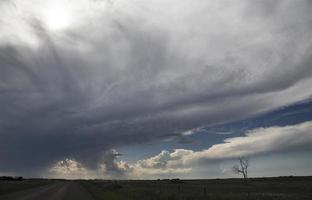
261, 188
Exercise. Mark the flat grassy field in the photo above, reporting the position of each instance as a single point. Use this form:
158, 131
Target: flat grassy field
7, 187
290, 188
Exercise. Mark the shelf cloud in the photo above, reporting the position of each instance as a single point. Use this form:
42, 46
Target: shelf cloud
254, 143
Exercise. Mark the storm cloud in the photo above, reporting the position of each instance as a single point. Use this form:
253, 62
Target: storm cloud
255, 142
129, 72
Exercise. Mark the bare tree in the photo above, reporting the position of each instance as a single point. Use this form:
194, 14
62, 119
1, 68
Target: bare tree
242, 168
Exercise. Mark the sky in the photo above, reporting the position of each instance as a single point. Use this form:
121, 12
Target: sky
136, 89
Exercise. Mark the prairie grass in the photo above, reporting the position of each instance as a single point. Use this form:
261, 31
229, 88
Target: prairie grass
288, 188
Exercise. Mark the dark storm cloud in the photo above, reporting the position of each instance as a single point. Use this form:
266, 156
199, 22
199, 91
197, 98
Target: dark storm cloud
260, 9
125, 76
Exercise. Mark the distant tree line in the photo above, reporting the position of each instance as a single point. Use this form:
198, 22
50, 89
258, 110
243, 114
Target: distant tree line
11, 178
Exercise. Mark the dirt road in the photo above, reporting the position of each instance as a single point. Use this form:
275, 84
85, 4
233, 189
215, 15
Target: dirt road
67, 190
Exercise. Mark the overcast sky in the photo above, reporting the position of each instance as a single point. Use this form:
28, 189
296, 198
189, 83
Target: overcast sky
157, 88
